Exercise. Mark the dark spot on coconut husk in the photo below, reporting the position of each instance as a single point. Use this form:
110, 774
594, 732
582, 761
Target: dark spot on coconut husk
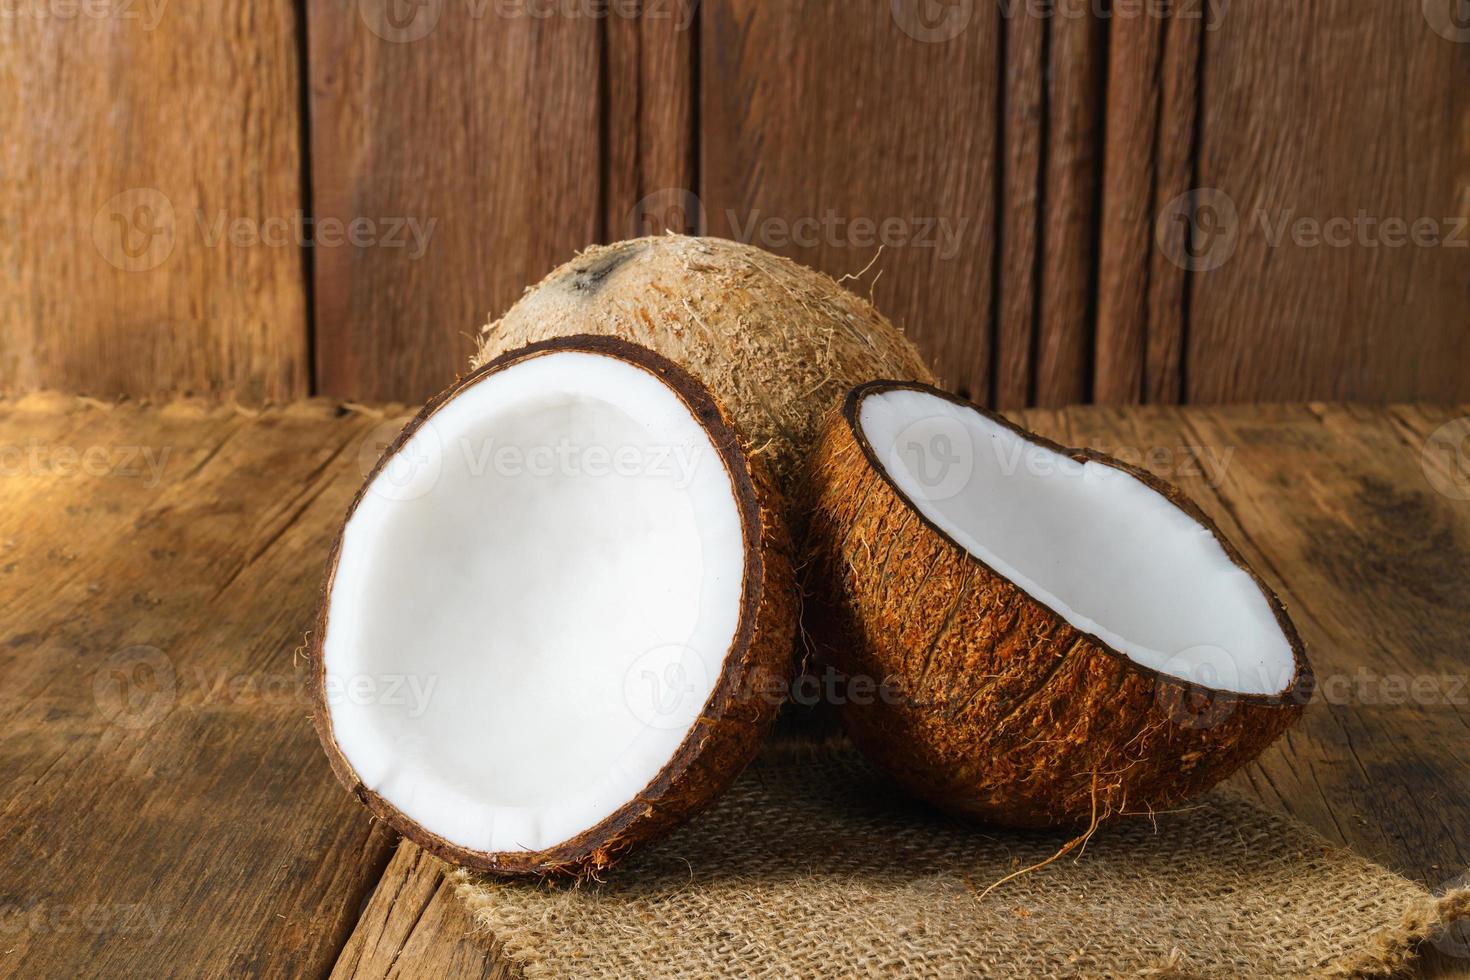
589, 277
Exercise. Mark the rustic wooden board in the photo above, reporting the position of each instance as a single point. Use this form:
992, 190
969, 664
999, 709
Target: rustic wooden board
479, 123
1322, 112
166, 805
815, 133
415, 926
1071, 163
150, 182
1017, 287
1149, 163
651, 152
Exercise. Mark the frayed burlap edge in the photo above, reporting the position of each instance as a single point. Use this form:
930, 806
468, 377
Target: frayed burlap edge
1395, 947
704, 888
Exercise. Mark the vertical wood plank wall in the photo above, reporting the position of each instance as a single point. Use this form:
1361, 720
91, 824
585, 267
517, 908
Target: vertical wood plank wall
150, 174
1075, 200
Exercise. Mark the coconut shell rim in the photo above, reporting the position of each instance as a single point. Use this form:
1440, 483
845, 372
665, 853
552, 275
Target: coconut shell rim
577, 854
1297, 693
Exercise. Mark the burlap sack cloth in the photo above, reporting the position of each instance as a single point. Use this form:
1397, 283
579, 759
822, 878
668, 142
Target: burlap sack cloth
815, 867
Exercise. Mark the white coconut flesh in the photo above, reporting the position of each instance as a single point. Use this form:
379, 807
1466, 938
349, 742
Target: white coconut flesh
1108, 553
532, 603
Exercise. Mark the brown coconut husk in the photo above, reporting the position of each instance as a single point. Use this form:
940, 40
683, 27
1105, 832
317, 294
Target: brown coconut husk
993, 705
776, 342
733, 723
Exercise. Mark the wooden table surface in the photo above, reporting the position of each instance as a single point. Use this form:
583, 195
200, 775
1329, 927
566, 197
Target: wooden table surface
167, 808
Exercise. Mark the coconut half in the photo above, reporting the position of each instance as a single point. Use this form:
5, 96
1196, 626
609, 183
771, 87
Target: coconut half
1030, 634
560, 613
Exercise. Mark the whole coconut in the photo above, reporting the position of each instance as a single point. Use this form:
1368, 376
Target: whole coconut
777, 343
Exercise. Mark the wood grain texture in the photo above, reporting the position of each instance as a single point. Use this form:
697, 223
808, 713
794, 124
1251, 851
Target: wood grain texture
1018, 285
150, 173
415, 926
818, 143
480, 124
166, 804
1051, 159
1334, 112
1071, 164
650, 165
1149, 162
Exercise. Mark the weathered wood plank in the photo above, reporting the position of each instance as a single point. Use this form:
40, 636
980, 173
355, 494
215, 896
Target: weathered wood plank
1072, 163
1022, 91
414, 926
150, 186
1343, 116
166, 806
1149, 163
160, 766
652, 142
829, 129
466, 137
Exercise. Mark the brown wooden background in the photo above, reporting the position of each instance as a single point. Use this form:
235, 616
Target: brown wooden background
1110, 175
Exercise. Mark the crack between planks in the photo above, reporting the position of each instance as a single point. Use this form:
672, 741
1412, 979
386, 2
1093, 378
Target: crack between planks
370, 884
419, 916
309, 495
